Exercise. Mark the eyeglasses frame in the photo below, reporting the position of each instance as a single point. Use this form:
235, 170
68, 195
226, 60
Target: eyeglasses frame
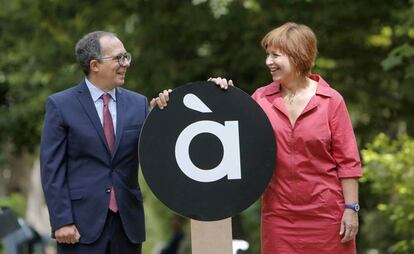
127, 57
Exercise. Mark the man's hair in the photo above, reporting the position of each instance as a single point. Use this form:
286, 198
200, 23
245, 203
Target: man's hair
89, 48
297, 41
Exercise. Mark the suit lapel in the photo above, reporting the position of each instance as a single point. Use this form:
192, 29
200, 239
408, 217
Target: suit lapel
84, 97
120, 110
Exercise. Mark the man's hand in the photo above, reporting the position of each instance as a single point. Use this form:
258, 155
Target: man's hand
349, 225
222, 82
161, 100
67, 234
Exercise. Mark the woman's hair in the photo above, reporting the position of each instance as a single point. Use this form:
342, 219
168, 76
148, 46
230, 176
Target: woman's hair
297, 41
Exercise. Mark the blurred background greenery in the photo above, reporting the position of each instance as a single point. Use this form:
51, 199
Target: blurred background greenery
366, 51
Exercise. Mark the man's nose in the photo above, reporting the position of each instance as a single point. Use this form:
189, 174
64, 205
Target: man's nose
126, 64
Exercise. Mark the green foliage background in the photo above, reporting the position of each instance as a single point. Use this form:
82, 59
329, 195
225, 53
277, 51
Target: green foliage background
389, 169
365, 52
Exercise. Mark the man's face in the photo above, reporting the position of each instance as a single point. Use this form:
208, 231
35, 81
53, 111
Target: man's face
111, 73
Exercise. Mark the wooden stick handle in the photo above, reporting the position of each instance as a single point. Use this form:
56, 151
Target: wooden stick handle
211, 237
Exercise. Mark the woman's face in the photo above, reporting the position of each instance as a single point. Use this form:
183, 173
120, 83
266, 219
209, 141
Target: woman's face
279, 65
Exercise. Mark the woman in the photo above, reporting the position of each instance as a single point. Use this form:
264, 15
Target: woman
311, 203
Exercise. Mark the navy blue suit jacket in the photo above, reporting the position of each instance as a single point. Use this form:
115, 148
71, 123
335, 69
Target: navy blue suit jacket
78, 169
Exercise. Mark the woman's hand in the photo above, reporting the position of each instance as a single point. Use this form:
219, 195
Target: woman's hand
349, 225
161, 100
222, 82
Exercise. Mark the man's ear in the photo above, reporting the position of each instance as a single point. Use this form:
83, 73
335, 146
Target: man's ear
94, 65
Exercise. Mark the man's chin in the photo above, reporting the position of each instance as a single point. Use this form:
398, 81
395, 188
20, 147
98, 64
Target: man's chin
120, 83
120, 80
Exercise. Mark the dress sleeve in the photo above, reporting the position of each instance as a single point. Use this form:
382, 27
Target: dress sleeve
344, 147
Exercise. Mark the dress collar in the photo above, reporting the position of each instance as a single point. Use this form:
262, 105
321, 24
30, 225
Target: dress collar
322, 89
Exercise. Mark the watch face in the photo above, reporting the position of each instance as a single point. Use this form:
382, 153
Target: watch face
354, 207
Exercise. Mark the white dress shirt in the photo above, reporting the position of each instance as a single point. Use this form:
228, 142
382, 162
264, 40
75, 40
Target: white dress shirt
96, 94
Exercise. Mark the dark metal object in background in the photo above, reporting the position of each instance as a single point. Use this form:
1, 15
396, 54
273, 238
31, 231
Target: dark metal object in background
8, 222
17, 236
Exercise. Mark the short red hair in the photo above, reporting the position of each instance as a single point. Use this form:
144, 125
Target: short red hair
297, 41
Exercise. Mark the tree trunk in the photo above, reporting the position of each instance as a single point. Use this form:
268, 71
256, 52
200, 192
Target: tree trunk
36, 213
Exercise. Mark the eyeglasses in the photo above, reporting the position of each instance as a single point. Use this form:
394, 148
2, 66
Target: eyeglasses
122, 59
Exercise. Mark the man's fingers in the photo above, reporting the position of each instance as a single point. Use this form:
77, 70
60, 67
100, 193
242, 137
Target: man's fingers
162, 99
166, 94
159, 103
77, 235
153, 103
231, 83
72, 239
59, 239
67, 235
66, 239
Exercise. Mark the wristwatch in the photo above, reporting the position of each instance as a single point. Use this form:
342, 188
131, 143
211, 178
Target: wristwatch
354, 207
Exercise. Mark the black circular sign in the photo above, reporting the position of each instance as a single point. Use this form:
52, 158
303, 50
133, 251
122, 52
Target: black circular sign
210, 153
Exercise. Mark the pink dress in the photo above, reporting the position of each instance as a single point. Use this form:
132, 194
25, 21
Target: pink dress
303, 204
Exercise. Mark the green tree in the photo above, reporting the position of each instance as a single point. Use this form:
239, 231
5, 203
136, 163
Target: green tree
400, 62
389, 168
174, 42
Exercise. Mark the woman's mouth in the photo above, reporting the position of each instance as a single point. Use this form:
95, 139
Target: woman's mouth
273, 70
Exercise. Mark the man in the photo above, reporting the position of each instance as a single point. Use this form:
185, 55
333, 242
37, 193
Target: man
89, 154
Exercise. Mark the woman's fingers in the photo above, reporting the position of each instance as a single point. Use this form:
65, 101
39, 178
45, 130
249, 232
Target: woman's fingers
349, 231
222, 82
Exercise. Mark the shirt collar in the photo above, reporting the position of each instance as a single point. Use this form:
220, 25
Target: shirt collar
322, 89
96, 93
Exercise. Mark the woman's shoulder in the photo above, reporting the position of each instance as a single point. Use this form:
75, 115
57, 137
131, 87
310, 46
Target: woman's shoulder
268, 89
327, 90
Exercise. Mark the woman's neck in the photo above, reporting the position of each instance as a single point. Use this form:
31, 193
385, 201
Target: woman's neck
298, 89
294, 86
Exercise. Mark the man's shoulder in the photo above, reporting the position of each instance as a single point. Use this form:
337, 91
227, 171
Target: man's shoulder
65, 94
131, 94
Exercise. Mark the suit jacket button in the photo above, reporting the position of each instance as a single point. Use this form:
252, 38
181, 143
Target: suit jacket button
108, 190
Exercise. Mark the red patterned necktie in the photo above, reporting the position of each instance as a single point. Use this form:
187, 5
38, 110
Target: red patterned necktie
108, 127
